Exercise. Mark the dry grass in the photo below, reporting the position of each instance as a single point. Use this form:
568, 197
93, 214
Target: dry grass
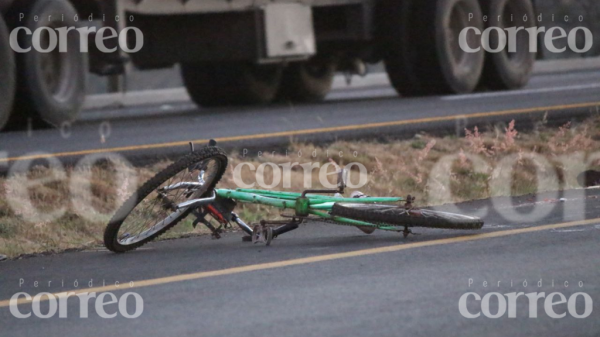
435, 170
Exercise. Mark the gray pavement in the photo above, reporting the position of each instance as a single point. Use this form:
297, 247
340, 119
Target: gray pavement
408, 292
153, 131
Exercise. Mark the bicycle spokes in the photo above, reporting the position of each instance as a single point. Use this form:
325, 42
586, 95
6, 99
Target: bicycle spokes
169, 202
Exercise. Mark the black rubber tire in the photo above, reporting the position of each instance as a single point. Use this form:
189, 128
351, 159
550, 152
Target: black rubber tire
36, 97
112, 229
394, 215
225, 84
589, 178
309, 81
7, 75
502, 72
396, 35
423, 57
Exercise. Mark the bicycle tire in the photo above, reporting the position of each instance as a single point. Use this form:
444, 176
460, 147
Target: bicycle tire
398, 216
111, 232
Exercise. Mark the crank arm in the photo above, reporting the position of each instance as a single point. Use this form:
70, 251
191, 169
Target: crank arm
241, 224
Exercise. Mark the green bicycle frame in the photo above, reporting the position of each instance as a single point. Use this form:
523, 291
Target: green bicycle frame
315, 204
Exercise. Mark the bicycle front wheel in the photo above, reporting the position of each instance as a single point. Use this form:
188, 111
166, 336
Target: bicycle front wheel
399, 216
152, 210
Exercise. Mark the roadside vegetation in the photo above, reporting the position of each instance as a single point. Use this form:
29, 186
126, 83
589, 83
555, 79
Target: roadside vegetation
483, 162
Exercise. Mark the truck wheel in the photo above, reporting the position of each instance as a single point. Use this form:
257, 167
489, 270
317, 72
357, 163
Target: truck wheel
447, 68
427, 58
52, 85
395, 43
7, 74
508, 70
213, 85
307, 81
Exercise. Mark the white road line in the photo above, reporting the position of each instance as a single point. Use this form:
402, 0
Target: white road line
521, 92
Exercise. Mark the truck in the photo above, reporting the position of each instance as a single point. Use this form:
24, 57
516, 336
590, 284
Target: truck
252, 51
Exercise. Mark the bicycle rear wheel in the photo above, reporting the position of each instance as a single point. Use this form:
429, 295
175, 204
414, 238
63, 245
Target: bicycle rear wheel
399, 216
151, 211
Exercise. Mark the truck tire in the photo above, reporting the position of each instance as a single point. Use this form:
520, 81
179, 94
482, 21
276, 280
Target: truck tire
427, 59
7, 75
446, 67
307, 81
51, 86
214, 85
506, 70
394, 35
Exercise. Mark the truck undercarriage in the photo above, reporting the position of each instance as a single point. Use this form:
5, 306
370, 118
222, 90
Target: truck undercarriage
247, 52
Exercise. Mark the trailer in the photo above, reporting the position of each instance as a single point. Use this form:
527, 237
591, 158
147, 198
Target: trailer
250, 51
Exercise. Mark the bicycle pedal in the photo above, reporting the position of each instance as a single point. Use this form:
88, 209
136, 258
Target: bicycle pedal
262, 234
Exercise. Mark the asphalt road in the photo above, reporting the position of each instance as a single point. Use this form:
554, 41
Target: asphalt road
327, 280
155, 131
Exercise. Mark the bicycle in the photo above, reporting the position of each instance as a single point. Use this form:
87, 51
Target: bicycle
188, 186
